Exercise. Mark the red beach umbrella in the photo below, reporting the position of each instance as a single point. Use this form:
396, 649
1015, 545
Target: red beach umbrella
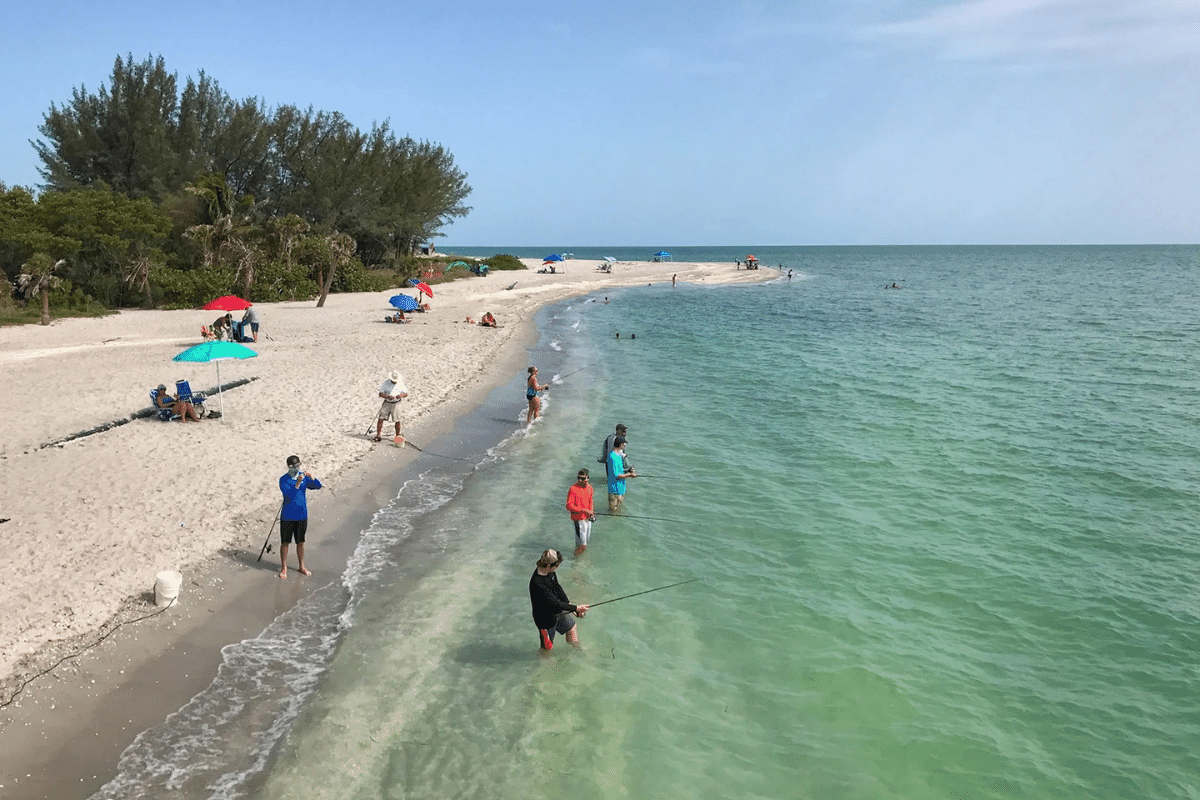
424, 288
227, 303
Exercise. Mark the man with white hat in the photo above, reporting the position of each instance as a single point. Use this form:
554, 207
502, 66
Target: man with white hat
392, 391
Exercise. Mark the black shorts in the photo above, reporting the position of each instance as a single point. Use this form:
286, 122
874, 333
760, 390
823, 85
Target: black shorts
292, 529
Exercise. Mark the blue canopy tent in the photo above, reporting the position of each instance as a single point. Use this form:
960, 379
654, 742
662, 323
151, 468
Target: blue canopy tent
552, 257
662, 255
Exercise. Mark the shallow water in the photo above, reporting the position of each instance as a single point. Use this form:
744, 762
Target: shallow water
945, 537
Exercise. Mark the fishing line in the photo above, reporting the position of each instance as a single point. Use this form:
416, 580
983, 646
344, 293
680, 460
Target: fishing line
581, 369
439, 455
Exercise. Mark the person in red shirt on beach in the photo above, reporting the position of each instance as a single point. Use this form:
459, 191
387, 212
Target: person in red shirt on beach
579, 503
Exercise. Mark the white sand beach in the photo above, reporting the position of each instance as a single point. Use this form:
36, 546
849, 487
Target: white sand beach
91, 521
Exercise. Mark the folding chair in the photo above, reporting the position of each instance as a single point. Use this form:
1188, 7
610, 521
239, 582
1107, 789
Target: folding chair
183, 390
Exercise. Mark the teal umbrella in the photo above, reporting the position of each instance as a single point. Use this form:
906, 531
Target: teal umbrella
217, 351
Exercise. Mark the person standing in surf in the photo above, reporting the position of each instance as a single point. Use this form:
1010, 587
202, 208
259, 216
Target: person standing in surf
618, 471
552, 611
579, 503
293, 514
392, 391
532, 387
608, 444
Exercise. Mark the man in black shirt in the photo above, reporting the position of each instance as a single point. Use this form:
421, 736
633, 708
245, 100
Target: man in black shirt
552, 611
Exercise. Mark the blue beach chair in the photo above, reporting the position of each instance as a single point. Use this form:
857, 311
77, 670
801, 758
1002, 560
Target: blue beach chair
183, 390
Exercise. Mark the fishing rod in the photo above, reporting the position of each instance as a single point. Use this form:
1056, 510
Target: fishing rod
635, 594
272, 530
635, 516
627, 596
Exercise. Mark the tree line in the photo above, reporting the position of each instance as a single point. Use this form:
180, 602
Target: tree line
154, 195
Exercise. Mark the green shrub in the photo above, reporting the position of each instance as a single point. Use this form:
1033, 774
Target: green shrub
275, 281
176, 288
354, 277
503, 261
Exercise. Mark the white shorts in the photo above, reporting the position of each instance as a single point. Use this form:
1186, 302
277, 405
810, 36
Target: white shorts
583, 530
390, 411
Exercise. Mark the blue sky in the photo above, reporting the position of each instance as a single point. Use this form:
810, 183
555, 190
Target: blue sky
709, 123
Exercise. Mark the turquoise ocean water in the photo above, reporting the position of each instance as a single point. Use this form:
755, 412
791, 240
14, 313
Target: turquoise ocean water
946, 540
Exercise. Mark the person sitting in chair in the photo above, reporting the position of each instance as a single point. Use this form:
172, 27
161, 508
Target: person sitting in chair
488, 321
184, 410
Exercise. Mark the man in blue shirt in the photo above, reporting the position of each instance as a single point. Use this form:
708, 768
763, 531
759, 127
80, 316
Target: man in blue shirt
618, 471
293, 514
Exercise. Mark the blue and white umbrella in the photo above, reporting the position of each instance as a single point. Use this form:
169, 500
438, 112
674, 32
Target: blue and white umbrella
552, 257
404, 302
217, 351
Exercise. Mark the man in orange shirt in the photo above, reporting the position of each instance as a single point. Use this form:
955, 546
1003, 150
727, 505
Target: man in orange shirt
579, 503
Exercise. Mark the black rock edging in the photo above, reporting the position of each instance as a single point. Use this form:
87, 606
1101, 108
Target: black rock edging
142, 414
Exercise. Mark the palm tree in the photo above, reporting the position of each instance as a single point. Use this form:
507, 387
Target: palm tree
38, 278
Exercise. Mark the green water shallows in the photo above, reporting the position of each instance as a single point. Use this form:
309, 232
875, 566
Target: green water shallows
946, 537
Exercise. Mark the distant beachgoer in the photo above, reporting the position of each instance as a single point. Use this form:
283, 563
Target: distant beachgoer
579, 503
293, 514
618, 471
789, 274
251, 318
672, 280
532, 387
552, 611
488, 321
392, 391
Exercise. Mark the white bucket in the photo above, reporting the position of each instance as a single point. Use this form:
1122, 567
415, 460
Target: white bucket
166, 587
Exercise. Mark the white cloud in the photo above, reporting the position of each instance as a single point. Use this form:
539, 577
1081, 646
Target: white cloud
1050, 30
